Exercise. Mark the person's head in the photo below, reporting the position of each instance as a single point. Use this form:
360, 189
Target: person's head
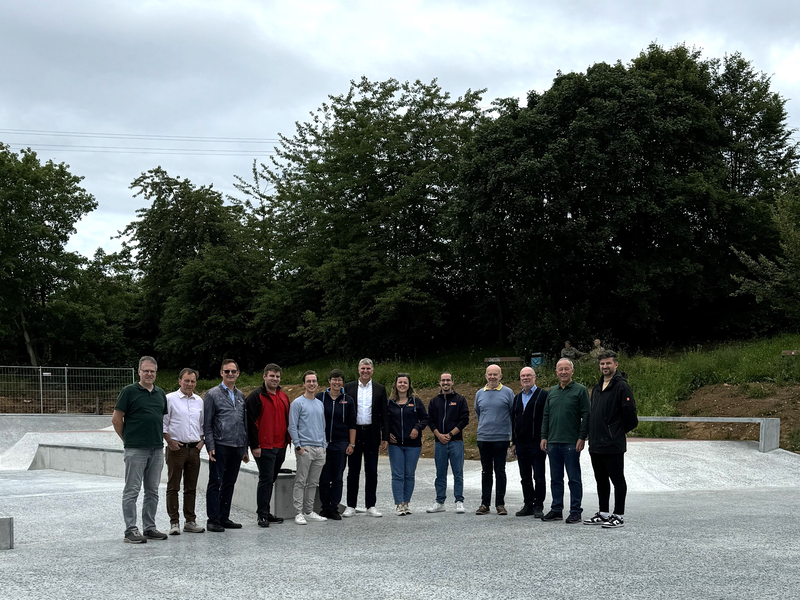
148, 367
310, 383
597, 343
272, 377
365, 370
187, 380
527, 377
402, 386
608, 363
446, 383
336, 381
564, 371
229, 371
493, 375
567, 344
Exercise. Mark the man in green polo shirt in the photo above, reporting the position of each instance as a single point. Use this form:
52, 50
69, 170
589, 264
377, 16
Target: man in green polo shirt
565, 422
139, 420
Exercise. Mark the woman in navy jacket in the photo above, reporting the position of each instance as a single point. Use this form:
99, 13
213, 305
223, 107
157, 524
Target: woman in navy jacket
407, 420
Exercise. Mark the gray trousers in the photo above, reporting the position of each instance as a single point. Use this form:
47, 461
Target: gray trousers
306, 479
142, 465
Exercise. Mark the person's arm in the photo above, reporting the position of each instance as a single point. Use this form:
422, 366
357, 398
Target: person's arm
463, 416
584, 430
422, 419
627, 406
118, 421
294, 419
383, 403
209, 410
545, 423
253, 407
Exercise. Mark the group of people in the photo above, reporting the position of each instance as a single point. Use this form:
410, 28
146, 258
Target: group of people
348, 424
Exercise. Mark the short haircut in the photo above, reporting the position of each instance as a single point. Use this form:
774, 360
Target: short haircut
336, 373
271, 367
607, 354
149, 359
445, 373
188, 371
229, 361
365, 361
307, 373
564, 359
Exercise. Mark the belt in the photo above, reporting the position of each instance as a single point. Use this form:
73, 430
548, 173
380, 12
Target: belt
364, 427
190, 444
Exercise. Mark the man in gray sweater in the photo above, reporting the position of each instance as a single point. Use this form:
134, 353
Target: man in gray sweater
493, 405
307, 430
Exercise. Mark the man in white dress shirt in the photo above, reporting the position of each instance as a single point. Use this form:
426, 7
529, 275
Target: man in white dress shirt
183, 432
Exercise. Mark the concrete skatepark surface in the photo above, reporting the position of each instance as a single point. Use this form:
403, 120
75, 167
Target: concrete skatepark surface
704, 520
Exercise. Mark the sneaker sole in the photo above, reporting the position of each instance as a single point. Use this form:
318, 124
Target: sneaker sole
127, 541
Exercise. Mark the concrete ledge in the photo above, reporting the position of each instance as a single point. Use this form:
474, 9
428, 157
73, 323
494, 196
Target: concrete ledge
769, 432
110, 462
6, 533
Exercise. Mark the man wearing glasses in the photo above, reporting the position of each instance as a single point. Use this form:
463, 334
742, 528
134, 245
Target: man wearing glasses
225, 428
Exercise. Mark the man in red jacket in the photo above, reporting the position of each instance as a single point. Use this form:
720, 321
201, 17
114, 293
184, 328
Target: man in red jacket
267, 432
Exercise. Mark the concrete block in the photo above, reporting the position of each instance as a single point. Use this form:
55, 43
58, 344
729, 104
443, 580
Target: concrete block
770, 435
6, 533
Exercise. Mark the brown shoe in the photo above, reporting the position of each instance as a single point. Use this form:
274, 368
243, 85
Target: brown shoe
501, 510
482, 510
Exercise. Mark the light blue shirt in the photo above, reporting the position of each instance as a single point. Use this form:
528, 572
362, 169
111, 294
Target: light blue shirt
526, 397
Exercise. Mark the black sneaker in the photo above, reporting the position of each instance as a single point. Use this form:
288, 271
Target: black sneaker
527, 511
552, 516
613, 522
134, 537
228, 524
215, 527
538, 513
263, 522
573, 518
597, 519
155, 534
273, 519
332, 514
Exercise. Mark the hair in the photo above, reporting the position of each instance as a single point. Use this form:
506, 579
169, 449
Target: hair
445, 373
336, 373
149, 359
271, 367
228, 361
410, 392
607, 354
307, 373
188, 371
567, 342
571, 364
365, 361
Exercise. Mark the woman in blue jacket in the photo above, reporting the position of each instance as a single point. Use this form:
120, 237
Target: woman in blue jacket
407, 420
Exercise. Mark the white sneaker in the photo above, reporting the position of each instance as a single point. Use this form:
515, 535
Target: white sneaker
349, 512
436, 508
399, 510
373, 512
460, 508
405, 507
175, 529
300, 519
360, 510
312, 516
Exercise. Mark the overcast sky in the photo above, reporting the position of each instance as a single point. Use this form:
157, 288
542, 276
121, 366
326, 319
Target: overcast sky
251, 69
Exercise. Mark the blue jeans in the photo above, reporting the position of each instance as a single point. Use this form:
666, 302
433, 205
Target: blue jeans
403, 460
452, 452
142, 465
222, 476
564, 456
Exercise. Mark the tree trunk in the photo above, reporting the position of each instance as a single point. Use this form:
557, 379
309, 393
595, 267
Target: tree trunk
28, 345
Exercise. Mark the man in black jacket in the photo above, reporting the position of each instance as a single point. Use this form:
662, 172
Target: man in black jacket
612, 414
449, 415
526, 434
372, 435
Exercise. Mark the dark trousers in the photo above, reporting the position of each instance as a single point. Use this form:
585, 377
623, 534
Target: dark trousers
608, 469
269, 464
182, 463
368, 448
330, 481
222, 475
493, 458
531, 461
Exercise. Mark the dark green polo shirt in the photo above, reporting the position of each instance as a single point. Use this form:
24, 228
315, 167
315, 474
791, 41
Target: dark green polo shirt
143, 426
566, 414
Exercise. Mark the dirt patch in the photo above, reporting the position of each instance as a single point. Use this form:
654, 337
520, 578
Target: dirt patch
748, 400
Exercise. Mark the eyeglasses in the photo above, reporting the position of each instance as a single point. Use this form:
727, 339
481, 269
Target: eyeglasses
147, 372
230, 371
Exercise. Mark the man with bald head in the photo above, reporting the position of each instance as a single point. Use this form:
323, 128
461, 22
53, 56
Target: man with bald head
493, 404
526, 436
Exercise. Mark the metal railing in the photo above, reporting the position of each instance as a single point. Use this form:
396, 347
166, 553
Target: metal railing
64, 390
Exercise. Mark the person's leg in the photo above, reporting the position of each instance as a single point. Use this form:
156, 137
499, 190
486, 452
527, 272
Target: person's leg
300, 477
440, 454
215, 471
325, 481
191, 471
371, 453
354, 469
233, 460
337, 457
524, 462
455, 452
499, 459
601, 477
556, 456
397, 464
538, 459
312, 481
411, 456
266, 478
135, 461
572, 464
151, 479
487, 464
175, 460
616, 472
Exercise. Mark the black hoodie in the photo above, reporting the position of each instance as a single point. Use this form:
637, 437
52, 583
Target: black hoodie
612, 414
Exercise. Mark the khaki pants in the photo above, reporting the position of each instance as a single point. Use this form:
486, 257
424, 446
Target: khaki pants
306, 480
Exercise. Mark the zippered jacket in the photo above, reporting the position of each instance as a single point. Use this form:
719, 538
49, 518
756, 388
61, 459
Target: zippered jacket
526, 423
612, 414
267, 418
340, 416
404, 419
448, 411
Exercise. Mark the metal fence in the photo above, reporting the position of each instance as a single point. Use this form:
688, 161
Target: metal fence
65, 390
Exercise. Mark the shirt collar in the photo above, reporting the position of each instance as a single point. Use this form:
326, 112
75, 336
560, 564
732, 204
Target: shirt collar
533, 389
365, 385
499, 387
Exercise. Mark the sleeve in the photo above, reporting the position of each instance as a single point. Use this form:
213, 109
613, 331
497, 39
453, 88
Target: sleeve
253, 408
422, 415
584, 407
209, 411
350, 413
477, 405
463, 414
167, 416
546, 417
433, 414
517, 398
383, 401
627, 406
294, 418
122, 400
